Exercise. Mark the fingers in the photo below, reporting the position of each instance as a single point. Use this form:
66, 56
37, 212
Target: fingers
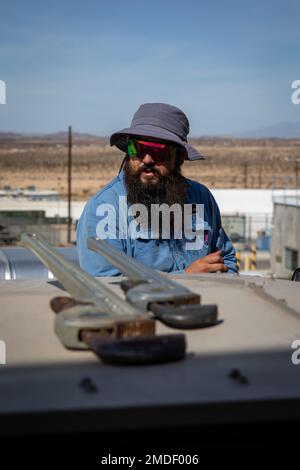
211, 263
213, 268
214, 258
200, 267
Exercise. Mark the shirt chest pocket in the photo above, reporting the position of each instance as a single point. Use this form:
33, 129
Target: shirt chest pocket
200, 245
154, 253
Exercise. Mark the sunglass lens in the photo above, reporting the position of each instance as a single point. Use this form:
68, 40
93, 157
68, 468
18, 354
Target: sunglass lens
138, 149
132, 148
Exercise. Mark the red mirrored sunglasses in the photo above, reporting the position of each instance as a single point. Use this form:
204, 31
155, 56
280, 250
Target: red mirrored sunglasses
139, 148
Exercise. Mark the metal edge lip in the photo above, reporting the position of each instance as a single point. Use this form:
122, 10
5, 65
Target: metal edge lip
8, 274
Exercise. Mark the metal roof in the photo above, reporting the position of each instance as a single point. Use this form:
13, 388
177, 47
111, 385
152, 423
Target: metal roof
261, 319
20, 263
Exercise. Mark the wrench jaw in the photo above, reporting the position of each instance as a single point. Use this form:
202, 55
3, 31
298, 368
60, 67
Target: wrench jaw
150, 291
121, 342
144, 294
187, 317
71, 322
126, 341
176, 309
139, 350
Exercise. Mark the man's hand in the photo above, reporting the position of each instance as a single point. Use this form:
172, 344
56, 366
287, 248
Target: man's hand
211, 263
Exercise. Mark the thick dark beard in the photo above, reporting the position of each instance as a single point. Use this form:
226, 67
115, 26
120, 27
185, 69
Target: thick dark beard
169, 189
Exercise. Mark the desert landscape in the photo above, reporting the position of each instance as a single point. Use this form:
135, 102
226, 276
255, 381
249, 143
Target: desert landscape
41, 161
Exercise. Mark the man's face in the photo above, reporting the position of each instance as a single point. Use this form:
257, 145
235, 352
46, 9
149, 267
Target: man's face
153, 163
153, 173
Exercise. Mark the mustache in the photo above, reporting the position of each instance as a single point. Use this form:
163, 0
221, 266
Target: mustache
150, 166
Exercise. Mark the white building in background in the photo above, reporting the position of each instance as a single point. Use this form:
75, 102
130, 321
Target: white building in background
53, 208
254, 205
30, 194
231, 201
285, 248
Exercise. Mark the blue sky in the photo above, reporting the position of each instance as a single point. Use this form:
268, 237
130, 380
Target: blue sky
228, 64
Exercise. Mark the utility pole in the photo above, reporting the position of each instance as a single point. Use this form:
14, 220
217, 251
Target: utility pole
69, 182
259, 176
297, 160
246, 175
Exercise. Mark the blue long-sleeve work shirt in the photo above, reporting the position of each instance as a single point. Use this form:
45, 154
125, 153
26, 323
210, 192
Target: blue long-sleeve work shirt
168, 255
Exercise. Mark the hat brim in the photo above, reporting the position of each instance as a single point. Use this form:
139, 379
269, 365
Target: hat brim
119, 139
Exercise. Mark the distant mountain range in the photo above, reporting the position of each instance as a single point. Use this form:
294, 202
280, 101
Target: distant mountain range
57, 137
283, 130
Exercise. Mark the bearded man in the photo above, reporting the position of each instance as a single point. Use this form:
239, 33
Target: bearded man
130, 210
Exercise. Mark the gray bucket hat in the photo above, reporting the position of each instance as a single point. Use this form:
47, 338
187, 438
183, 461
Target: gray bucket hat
161, 121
